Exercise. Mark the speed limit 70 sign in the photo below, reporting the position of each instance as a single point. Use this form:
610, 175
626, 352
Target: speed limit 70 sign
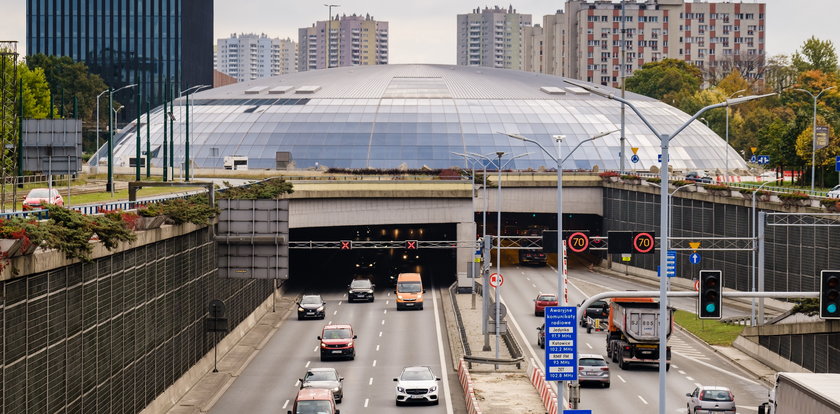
578, 242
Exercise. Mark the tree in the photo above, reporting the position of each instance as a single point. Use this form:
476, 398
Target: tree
816, 55
749, 66
668, 80
36, 93
779, 73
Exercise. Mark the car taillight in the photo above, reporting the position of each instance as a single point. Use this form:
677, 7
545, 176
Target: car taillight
605, 368
731, 397
626, 348
580, 368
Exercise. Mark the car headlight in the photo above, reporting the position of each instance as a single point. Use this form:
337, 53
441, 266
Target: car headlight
399, 297
334, 389
350, 343
433, 389
323, 345
300, 309
320, 309
400, 389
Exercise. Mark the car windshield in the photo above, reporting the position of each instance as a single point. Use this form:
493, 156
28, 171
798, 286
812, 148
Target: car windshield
600, 304
311, 300
360, 284
39, 193
417, 375
337, 334
592, 362
320, 376
547, 298
409, 287
314, 407
715, 395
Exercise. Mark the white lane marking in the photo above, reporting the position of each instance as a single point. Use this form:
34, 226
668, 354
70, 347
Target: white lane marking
723, 371
674, 366
590, 346
746, 407
387, 302
385, 311
533, 285
622, 379
285, 404
307, 363
315, 350
389, 294
370, 382
297, 383
383, 322
366, 402
380, 334
377, 347
339, 303
682, 372
335, 313
689, 378
643, 400
329, 323
443, 366
374, 362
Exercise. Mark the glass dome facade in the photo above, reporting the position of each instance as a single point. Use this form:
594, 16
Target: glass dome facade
416, 115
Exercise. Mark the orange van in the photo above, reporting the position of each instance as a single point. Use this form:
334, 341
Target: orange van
409, 291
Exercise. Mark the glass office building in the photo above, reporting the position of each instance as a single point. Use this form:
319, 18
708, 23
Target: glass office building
387, 116
128, 41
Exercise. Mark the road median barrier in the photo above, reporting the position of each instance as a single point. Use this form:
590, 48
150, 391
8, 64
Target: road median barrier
466, 382
543, 387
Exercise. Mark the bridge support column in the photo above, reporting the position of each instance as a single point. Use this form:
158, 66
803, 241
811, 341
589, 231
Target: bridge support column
464, 256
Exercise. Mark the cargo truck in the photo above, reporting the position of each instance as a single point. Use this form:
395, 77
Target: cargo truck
803, 393
633, 332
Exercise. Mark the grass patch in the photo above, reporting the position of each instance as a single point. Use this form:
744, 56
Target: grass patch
120, 195
711, 331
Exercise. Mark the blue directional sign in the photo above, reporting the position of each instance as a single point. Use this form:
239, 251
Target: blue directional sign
753, 159
634, 159
561, 362
837, 164
671, 263
658, 157
764, 159
694, 258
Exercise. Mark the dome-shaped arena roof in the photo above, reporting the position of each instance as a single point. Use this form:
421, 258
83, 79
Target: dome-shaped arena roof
418, 115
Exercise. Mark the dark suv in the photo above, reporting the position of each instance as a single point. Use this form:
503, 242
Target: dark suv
597, 310
360, 290
532, 257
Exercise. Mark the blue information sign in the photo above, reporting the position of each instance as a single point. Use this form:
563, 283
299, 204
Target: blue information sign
764, 159
694, 258
561, 362
671, 262
634, 159
837, 164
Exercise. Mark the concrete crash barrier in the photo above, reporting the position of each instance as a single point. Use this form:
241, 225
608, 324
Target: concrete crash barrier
469, 392
547, 394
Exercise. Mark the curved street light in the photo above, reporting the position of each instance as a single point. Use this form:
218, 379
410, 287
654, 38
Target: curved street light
726, 152
814, 129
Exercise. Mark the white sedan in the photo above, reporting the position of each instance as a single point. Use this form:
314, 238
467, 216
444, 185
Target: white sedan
835, 192
417, 385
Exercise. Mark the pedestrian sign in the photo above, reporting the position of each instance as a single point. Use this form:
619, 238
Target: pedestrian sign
561, 362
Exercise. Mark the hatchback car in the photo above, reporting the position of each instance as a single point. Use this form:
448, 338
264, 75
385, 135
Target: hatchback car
417, 385
596, 310
337, 341
834, 192
710, 400
311, 306
542, 301
39, 197
360, 290
593, 368
326, 378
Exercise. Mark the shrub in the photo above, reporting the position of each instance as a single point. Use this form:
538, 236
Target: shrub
749, 192
680, 183
150, 210
796, 195
268, 189
716, 187
608, 174
829, 202
195, 209
630, 177
656, 180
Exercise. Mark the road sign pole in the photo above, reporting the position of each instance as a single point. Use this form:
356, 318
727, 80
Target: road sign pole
485, 292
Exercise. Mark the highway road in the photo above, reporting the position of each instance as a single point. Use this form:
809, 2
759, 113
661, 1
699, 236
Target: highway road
635, 389
387, 341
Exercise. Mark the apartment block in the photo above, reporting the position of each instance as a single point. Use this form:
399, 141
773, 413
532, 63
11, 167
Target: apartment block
584, 41
350, 41
251, 56
492, 38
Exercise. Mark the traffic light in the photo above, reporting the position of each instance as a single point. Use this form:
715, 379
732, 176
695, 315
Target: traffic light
830, 294
411, 244
711, 285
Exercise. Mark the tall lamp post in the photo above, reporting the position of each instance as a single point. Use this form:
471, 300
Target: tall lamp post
109, 186
558, 160
664, 140
726, 151
97, 121
755, 239
187, 93
328, 34
814, 129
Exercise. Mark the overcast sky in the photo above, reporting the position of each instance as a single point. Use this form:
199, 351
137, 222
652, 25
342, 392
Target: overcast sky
424, 31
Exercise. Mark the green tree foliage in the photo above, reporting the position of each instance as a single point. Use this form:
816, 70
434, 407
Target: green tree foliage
69, 79
36, 93
669, 80
816, 55
779, 74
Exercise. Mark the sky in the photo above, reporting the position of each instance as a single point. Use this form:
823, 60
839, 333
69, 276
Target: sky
424, 31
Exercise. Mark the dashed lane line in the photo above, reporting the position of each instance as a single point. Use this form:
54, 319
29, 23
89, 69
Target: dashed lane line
689, 378
285, 404
643, 400
621, 378
370, 382
307, 363
366, 402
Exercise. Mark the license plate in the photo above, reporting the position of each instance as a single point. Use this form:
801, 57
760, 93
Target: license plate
336, 352
310, 312
416, 397
409, 304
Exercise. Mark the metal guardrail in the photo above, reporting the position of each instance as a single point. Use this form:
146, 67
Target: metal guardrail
461, 330
510, 342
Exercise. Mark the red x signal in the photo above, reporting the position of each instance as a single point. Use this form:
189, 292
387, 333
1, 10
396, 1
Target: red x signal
411, 244
346, 244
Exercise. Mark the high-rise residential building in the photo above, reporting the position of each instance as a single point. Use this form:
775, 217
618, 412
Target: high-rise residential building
251, 56
492, 37
584, 41
533, 40
145, 42
353, 40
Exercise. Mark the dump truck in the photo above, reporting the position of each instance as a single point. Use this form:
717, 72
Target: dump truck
803, 393
633, 331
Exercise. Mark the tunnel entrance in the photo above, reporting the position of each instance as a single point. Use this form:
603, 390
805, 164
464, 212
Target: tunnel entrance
333, 268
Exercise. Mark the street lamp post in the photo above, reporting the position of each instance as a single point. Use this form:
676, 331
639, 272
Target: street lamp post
664, 140
754, 239
814, 129
97, 121
109, 186
561, 280
726, 150
470, 160
187, 93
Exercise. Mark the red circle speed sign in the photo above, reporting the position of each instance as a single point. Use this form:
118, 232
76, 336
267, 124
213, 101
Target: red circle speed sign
578, 242
496, 280
643, 242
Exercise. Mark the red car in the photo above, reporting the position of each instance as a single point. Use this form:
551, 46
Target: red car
337, 341
38, 197
543, 300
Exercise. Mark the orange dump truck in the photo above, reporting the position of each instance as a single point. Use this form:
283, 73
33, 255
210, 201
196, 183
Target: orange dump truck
633, 331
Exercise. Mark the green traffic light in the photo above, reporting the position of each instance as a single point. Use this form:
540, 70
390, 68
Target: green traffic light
831, 308
710, 307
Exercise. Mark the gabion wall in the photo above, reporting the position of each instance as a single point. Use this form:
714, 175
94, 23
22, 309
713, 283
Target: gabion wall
109, 336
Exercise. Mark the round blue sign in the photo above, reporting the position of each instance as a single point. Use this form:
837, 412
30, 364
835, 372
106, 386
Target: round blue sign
634, 159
